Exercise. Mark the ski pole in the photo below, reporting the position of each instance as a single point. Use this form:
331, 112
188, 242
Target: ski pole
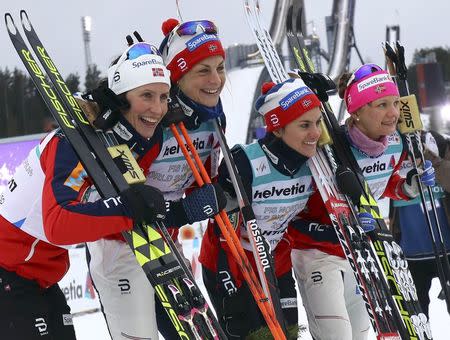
410, 127
201, 177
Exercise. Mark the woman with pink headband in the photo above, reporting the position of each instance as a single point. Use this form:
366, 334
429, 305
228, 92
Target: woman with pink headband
326, 282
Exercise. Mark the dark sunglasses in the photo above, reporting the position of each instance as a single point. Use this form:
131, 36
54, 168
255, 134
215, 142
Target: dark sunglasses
190, 27
363, 71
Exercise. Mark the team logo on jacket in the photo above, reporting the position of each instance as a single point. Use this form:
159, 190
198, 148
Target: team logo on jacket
261, 166
294, 189
175, 149
76, 178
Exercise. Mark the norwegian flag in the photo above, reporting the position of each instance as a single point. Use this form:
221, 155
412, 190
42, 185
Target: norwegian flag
158, 72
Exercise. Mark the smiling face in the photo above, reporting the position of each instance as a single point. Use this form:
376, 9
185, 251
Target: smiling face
148, 105
302, 134
204, 82
378, 118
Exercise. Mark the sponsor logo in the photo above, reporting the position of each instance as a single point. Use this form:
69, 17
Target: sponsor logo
269, 154
28, 168
41, 325
376, 167
175, 149
208, 210
124, 285
128, 163
394, 138
12, 185
273, 232
150, 62
259, 243
407, 114
339, 205
374, 81
261, 166
293, 97
67, 319
227, 282
114, 200
316, 277
288, 303
182, 64
199, 40
274, 119
116, 77
295, 189
167, 272
73, 291
318, 227
122, 131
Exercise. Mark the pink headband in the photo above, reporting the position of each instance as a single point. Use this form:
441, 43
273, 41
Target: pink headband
374, 86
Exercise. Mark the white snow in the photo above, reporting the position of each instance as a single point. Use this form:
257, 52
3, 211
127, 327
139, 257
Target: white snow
92, 326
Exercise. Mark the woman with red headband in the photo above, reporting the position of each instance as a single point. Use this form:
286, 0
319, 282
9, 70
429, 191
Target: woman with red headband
193, 54
326, 282
278, 182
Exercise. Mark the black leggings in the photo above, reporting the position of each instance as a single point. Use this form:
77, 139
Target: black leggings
29, 312
239, 314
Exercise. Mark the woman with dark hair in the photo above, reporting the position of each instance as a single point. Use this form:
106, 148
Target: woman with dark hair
44, 209
277, 182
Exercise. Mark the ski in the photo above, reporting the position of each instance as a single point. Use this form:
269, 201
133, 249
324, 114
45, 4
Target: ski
157, 255
411, 126
413, 323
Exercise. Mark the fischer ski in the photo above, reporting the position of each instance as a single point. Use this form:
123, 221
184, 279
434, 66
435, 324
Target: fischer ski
157, 255
411, 323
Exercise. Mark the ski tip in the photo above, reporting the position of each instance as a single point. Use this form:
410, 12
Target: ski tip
10, 25
26, 23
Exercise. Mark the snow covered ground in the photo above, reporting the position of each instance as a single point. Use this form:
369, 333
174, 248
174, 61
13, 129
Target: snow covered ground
92, 326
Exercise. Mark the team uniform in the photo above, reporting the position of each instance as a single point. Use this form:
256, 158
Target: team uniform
326, 282
128, 299
278, 192
278, 183
41, 213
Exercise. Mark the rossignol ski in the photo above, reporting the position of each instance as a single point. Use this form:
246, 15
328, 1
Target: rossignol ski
411, 126
413, 323
158, 256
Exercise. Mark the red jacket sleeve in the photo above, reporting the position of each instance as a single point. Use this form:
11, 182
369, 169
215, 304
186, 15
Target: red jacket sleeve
66, 219
394, 188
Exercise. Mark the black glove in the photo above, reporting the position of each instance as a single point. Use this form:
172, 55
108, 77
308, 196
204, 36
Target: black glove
200, 204
204, 202
146, 203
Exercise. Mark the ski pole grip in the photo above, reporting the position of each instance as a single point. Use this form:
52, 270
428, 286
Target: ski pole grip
324, 138
409, 115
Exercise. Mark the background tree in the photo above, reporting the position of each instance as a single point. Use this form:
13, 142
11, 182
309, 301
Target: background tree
92, 77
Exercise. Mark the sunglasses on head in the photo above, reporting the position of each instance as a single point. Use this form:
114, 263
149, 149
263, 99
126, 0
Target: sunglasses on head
191, 27
363, 71
141, 49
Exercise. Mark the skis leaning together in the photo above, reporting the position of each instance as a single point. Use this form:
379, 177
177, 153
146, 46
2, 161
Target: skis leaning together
163, 265
377, 261
411, 128
396, 285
